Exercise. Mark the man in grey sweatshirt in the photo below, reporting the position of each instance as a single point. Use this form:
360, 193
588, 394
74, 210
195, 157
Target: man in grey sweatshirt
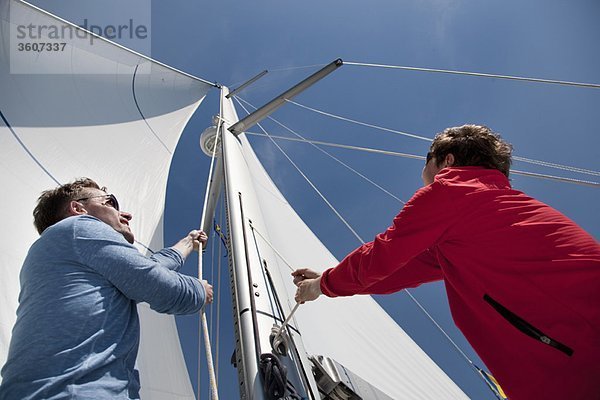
77, 330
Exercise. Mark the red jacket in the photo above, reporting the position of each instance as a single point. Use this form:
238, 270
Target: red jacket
523, 280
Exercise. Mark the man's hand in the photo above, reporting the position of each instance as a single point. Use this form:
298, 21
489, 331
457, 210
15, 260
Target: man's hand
309, 285
208, 289
197, 238
191, 242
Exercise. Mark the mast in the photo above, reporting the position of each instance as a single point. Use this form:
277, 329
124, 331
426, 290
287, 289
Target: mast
345, 348
256, 304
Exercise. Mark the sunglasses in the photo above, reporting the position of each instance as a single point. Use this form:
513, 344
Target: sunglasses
429, 157
110, 201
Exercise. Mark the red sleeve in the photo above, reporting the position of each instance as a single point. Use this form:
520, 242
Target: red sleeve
421, 269
382, 266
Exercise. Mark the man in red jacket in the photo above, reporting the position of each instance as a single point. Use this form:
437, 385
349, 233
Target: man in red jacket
522, 279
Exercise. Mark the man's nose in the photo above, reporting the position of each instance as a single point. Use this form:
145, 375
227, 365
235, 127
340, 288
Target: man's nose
126, 215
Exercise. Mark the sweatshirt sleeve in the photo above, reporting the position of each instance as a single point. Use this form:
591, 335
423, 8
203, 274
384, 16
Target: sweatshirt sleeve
382, 266
140, 278
169, 258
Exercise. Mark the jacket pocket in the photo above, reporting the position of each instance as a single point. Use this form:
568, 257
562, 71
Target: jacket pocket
526, 327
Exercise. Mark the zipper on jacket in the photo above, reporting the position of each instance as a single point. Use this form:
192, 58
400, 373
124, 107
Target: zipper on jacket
526, 327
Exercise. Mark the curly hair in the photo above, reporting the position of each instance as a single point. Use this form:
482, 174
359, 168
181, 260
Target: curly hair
473, 145
52, 204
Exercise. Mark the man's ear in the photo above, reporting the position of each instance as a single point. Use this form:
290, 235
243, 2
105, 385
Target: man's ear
76, 208
449, 160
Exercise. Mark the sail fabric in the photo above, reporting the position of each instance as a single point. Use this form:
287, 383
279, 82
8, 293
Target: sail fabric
354, 331
102, 112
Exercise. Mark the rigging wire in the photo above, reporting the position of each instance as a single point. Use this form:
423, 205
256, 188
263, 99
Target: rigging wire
555, 178
418, 157
359, 122
302, 138
456, 347
308, 180
453, 344
342, 146
557, 166
522, 159
479, 74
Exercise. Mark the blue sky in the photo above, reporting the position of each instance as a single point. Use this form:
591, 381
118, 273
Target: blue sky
229, 42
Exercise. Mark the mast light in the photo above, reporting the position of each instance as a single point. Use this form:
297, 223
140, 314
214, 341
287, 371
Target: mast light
208, 139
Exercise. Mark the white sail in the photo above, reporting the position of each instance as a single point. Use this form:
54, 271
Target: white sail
356, 331
106, 113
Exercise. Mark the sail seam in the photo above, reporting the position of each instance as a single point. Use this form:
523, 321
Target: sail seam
26, 149
140, 110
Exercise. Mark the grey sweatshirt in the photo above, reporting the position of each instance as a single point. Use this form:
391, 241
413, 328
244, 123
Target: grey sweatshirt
77, 330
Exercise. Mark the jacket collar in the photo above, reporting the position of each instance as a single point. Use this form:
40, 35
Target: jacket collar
485, 176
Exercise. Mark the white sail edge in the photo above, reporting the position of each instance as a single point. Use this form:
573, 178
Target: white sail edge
120, 128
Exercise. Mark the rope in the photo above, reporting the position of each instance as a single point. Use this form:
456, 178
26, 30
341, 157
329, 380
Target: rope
275, 382
484, 75
307, 179
287, 320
